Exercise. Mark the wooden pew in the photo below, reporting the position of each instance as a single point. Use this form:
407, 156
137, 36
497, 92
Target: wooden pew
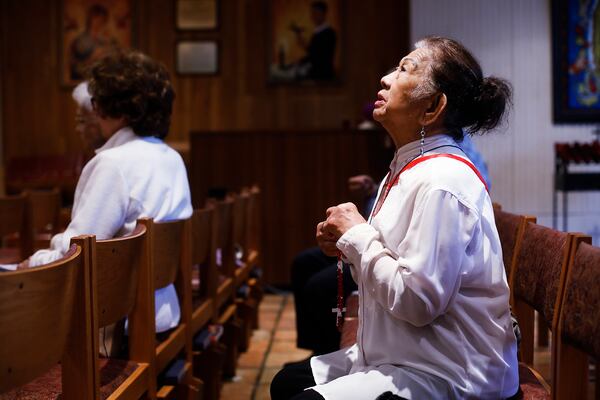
577, 336
170, 259
254, 248
510, 230
246, 259
540, 272
208, 358
45, 318
225, 308
122, 287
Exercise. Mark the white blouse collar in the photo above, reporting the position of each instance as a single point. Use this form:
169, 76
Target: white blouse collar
120, 137
411, 150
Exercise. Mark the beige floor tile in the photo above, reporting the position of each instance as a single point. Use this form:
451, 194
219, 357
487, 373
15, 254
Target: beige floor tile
287, 324
260, 334
274, 307
268, 374
267, 320
251, 359
278, 359
246, 375
288, 334
262, 392
237, 391
272, 299
284, 346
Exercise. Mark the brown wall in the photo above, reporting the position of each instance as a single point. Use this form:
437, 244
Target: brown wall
38, 113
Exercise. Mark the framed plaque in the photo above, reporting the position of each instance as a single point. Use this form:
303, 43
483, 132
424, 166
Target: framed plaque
197, 57
196, 14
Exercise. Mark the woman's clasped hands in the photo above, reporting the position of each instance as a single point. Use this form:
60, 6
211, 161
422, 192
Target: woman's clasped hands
339, 220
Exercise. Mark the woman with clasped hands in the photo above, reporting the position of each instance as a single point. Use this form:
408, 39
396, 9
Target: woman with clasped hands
434, 319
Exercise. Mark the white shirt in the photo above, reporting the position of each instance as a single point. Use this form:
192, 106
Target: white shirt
434, 318
130, 177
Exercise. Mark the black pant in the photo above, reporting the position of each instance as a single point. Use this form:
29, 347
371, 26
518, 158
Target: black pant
315, 292
290, 382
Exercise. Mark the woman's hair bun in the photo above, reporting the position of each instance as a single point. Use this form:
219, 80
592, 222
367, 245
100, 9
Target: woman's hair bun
490, 104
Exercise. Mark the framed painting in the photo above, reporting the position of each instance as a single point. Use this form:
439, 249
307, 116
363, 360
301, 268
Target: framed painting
305, 42
576, 60
197, 57
196, 14
90, 29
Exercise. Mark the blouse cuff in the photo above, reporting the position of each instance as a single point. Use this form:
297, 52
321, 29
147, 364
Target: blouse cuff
355, 241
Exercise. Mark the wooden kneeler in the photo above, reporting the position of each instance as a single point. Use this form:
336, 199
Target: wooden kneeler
225, 307
207, 362
257, 294
246, 310
231, 337
208, 366
254, 248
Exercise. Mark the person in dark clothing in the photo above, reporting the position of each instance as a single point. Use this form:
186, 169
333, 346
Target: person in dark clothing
314, 283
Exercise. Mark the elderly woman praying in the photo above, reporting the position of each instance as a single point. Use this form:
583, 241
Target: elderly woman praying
434, 319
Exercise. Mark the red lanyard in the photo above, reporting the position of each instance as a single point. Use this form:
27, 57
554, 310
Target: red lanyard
391, 183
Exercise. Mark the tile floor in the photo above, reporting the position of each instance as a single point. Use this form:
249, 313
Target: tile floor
274, 344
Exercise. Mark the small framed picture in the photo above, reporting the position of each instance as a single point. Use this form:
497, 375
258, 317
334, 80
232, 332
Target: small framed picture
196, 14
197, 57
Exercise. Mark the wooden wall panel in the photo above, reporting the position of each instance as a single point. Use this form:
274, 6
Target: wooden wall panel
39, 114
301, 174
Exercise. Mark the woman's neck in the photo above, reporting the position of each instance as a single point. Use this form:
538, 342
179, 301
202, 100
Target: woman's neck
401, 138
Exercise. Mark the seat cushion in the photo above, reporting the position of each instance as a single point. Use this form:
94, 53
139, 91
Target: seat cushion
48, 386
113, 373
531, 385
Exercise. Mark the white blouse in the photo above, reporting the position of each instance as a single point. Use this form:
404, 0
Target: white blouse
434, 318
130, 177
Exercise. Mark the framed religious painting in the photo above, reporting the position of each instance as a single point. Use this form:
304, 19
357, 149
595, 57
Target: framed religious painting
576, 60
89, 30
197, 57
305, 42
196, 15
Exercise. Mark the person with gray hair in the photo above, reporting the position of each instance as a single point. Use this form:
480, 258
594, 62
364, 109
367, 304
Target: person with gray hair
135, 174
434, 316
86, 120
